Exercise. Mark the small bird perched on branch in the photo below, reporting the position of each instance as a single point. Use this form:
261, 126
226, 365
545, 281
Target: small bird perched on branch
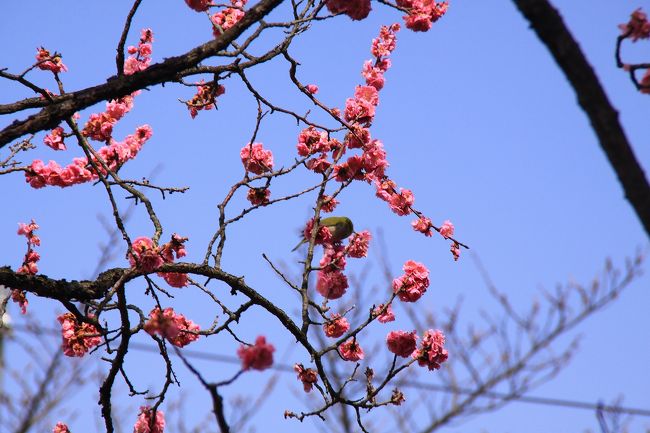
339, 227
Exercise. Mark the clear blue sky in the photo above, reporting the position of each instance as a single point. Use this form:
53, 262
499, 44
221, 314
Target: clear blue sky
477, 120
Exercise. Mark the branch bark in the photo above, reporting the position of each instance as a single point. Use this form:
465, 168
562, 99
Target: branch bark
551, 30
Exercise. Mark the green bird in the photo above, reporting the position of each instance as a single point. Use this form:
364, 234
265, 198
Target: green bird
339, 227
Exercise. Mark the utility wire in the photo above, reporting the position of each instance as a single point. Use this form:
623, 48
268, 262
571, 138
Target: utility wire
284, 368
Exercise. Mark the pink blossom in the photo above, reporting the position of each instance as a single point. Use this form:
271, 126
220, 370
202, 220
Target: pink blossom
258, 356
199, 5
331, 285
359, 110
358, 246
386, 316
145, 424
386, 42
455, 250
78, 338
323, 237
312, 88
358, 137
258, 196
329, 204
352, 169
225, 19
355, 9
401, 343
311, 141
140, 57
336, 326
319, 164
144, 255
401, 203
175, 246
374, 76
423, 225
55, 138
333, 258
146, 36
256, 159
431, 352
447, 229
20, 296
374, 160
175, 279
178, 330
351, 351
411, 286
47, 62
61, 428
307, 376
638, 27
423, 13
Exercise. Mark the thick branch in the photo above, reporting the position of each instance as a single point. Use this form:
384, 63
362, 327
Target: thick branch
67, 105
551, 30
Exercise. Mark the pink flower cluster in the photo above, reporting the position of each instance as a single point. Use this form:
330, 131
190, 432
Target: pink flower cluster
351, 351
205, 98
386, 316
258, 356
311, 141
49, 62
61, 428
178, 330
411, 286
638, 27
312, 88
78, 338
29, 265
401, 343
99, 126
38, 175
225, 19
431, 352
358, 246
422, 13
336, 326
361, 108
148, 257
307, 376
145, 423
199, 5
423, 225
355, 9
140, 56
55, 138
329, 204
256, 159
399, 202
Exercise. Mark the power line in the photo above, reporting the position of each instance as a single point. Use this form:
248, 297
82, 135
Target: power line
284, 368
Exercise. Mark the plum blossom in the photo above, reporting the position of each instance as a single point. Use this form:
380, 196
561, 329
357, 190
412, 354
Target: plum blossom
422, 13
431, 352
178, 330
55, 138
144, 255
49, 62
256, 159
401, 343
145, 424
258, 356
447, 229
312, 88
329, 204
61, 428
336, 326
411, 286
307, 376
355, 9
331, 285
386, 316
199, 5
638, 27
455, 250
358, 246
423, 225
386, 42
351, 351
78, 338
225, 19
140, 56
311, 141
29, 265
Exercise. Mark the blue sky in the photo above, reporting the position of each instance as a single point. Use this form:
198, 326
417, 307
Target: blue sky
477, 120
